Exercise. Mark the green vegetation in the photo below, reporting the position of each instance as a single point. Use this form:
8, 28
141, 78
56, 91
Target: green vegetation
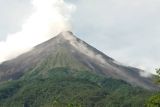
63, 87
154, 101
157, 76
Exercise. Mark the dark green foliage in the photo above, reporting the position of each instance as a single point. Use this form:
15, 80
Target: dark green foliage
8, 89
157, 77
62, 87
154, 101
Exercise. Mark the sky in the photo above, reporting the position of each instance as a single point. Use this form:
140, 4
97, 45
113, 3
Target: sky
128, 31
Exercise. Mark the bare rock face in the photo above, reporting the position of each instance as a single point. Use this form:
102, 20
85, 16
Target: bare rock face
66, 50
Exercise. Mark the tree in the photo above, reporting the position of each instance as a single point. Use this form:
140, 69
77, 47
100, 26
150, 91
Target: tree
154, 101
158, 76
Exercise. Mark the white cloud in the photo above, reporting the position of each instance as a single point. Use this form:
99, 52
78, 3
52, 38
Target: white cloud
13, 13
49, 18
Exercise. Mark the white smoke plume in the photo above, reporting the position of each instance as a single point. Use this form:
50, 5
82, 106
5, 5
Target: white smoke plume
49, 18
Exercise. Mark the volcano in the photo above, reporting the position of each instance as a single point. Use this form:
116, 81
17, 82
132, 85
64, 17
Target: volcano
66, 50
65, 71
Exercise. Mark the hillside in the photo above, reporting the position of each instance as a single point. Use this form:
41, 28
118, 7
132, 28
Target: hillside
63, 87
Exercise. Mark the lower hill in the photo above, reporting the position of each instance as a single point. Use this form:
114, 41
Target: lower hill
64, 87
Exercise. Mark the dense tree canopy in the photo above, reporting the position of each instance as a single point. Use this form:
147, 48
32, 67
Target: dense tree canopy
63, 87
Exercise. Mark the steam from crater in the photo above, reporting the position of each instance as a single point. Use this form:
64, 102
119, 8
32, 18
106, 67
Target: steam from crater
49, 18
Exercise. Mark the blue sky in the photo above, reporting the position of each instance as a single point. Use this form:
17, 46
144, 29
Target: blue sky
128, 31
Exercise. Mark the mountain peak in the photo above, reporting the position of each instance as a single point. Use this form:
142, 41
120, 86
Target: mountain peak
68, 35
66, 50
